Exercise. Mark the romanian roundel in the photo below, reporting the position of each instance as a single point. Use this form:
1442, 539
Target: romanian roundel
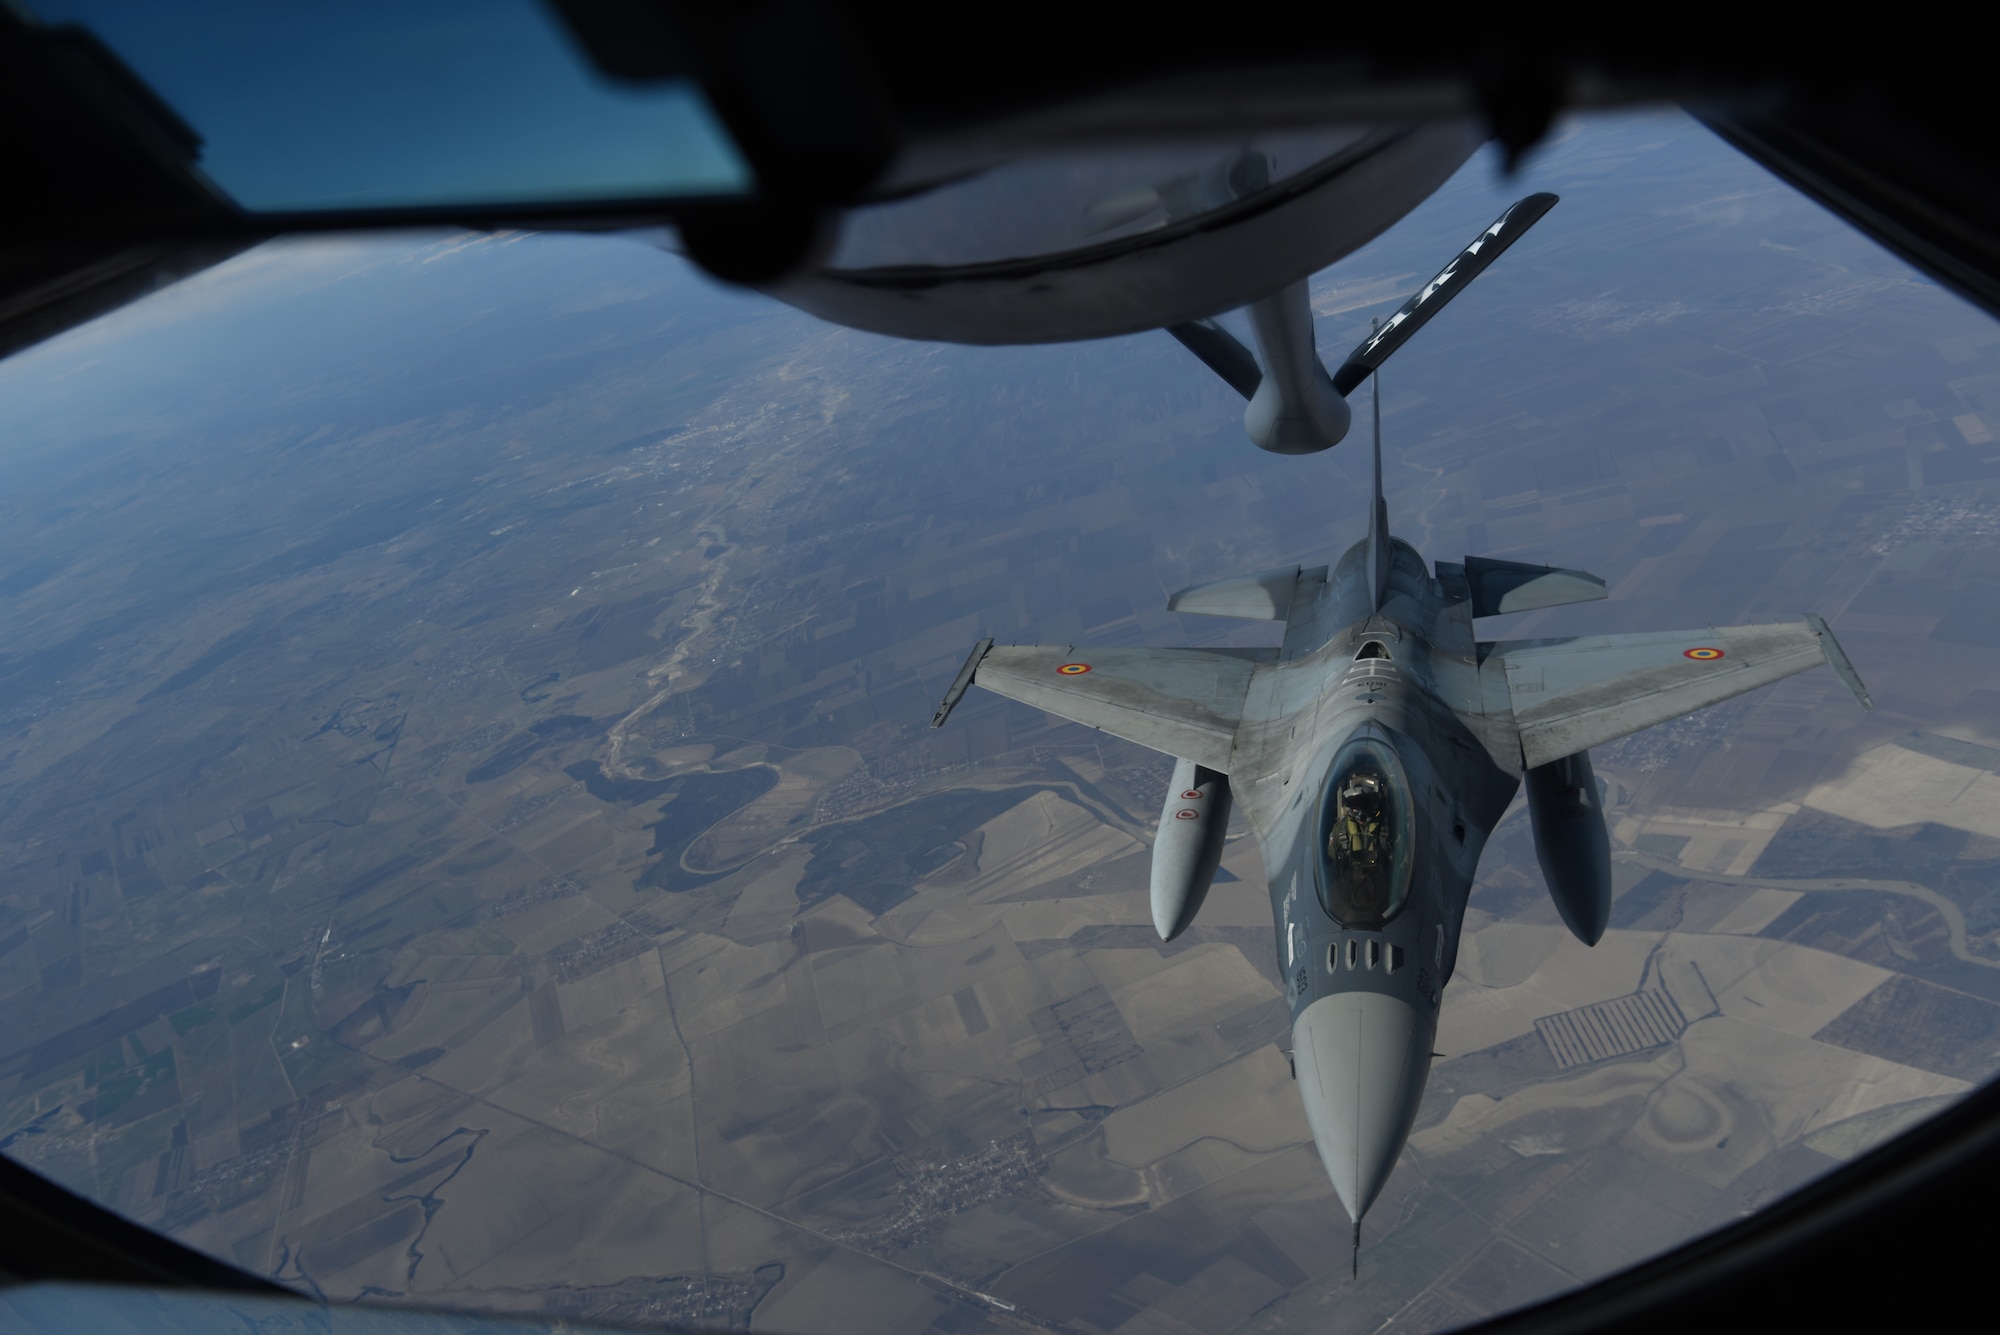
1185, 814
1705, 654
1074, 669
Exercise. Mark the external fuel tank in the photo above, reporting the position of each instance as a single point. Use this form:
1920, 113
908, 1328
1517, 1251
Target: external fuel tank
1193, 823
1571, 843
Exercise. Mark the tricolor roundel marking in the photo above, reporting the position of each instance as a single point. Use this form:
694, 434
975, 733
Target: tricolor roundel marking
1705, 654
1185, 814
1074, 669
1191, 795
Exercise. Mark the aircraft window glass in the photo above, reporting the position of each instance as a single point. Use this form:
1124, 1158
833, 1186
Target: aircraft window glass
398, 625
1365, 836
1372, 649
355, 104
1020, 210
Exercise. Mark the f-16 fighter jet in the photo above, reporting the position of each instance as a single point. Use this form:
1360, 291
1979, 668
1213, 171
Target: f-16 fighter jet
1373, 753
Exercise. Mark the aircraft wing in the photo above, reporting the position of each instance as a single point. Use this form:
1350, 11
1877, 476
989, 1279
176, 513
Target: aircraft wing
1572, 694
1183, 702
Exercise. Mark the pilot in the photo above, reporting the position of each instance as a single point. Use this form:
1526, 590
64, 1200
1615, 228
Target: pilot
1357, 826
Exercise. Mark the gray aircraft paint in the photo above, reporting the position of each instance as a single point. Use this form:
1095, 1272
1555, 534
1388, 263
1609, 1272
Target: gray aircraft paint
1194, 825
1380, 659
1460, 715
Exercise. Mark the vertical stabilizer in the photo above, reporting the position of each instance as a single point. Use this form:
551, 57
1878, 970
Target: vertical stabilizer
1378, 518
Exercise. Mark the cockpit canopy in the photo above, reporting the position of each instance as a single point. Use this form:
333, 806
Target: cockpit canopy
1365, 836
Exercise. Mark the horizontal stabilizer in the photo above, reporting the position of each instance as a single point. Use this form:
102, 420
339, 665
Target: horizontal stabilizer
1499, 587
1572, 694
1265, 597
1183, 702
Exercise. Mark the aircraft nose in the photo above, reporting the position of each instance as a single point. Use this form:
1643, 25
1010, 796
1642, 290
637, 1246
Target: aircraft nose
1361, 1058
